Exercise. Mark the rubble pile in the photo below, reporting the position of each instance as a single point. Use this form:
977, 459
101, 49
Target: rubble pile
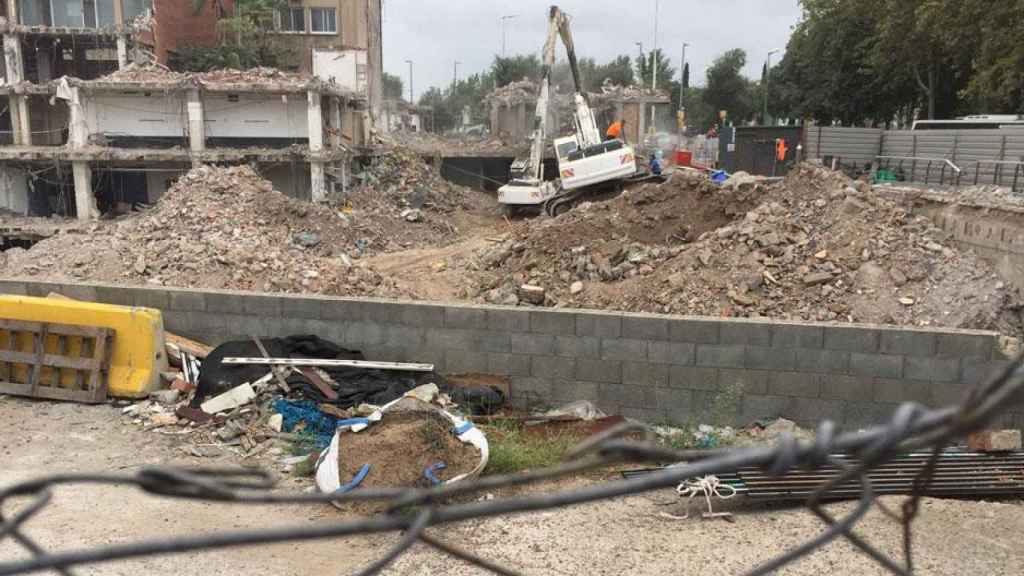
450, 145
151, 72
615, 92
261, 75
226, 228
399, 184
517, 92
816, 247
606, 242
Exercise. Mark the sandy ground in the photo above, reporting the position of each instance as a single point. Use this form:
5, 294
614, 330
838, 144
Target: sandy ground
616, 537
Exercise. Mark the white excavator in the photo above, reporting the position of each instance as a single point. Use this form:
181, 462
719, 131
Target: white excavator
585, 161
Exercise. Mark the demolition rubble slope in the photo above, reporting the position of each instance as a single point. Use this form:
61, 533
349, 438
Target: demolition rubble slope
817, 247
226, 228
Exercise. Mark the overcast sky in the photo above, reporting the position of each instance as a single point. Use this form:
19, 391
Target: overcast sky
436, 33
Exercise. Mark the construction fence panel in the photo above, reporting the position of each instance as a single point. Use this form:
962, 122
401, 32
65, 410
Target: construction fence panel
849, 146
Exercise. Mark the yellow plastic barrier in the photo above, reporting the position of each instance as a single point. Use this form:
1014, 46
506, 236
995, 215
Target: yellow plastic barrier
138, 355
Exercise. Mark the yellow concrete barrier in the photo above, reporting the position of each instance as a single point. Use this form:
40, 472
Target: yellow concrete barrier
138, 355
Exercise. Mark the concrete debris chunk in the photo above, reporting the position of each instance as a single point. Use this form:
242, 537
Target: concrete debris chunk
995, 441
237, 396
532, 294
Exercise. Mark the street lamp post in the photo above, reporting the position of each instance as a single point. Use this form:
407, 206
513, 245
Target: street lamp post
412, 99
643, 62
767, 83
682, 76
654, 54
505, 19
455, 76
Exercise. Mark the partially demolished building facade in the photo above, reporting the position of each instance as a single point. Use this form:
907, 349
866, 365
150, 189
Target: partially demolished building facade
91, 130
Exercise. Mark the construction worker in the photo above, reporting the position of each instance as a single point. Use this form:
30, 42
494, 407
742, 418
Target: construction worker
616, 130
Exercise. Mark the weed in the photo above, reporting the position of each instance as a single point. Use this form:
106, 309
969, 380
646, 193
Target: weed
305, 443
725, 408
512, 450
305, 469
434, 434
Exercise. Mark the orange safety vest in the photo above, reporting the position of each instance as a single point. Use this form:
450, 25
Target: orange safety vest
615, 130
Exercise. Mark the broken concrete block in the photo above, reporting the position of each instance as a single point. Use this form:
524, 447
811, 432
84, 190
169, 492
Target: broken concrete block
532, 294
994, 441
237, 396
576, 288
166, 396
160, 420
817, 278
276, 422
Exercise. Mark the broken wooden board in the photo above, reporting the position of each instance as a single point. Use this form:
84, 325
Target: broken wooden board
55, 361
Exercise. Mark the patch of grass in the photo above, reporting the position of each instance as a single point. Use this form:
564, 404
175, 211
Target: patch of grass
512, 450
305, 469
434, 434
305, 444
726, 406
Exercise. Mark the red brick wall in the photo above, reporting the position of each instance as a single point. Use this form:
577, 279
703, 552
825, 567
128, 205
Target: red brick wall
177, 24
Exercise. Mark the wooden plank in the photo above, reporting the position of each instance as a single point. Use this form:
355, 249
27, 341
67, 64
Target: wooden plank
64, 329
197, 349
277, 374
39, 342
49, 360
62, 350
321, 385
321, 363
98, 382
48, 393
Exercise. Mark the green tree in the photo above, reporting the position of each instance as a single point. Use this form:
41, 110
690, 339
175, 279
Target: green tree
393, 87
666, 73
727, 89
246, 40
515, 68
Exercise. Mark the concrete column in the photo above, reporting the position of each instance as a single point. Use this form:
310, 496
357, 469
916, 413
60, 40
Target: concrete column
20, 121
12, 11
318, 182
122, 52
118, 13
196, 122
85, 202
78, 137
78, 129
316, 122
642, 128
335, 111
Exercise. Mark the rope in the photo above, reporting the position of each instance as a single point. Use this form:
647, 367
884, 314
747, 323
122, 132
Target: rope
708, 486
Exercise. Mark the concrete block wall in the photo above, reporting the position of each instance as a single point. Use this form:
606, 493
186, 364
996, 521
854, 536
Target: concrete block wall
657, 368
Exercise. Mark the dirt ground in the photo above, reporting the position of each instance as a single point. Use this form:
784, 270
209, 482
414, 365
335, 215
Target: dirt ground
614, 537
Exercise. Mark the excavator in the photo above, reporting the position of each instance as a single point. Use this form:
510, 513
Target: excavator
585, 161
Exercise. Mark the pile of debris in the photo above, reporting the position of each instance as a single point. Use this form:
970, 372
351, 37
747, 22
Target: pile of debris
157, 73
607, 241
611, 91
150, 73
817, 246
227, 228
515, 93
229, 400
398, 183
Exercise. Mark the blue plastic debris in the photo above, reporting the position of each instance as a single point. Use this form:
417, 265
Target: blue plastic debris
356, 480
719, 176
320, 425
429, 472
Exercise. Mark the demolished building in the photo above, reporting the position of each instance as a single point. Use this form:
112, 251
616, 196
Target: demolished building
85, 142
512, 109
